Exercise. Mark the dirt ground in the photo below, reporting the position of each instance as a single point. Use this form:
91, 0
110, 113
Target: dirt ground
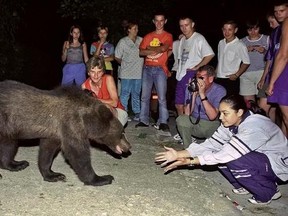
140, 187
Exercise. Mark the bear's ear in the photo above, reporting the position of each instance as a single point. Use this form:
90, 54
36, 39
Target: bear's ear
104, 113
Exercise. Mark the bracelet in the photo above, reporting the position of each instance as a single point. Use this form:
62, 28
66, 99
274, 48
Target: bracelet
204, 99
236, 75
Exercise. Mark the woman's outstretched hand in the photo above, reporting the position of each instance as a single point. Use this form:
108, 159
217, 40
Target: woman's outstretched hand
170, 160
166, 157
177, 163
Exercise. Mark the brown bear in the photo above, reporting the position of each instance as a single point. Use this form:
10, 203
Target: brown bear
64, 119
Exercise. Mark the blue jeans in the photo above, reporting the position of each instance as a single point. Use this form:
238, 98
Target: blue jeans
133, 87
154, 75
74, 73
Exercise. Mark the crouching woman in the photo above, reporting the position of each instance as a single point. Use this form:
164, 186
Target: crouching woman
102, 86
252, 152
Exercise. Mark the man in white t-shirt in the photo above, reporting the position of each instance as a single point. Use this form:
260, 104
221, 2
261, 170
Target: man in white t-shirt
193, 52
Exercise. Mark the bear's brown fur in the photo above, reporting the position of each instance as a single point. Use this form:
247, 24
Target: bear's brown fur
64, 119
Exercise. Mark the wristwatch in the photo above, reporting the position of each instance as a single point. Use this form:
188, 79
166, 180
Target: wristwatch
204, 99
191, 164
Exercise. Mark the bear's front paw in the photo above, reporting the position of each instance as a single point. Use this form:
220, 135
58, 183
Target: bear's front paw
17, 165
55, 177
101, 180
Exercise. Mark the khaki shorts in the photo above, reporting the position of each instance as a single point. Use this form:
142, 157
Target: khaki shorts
249, 81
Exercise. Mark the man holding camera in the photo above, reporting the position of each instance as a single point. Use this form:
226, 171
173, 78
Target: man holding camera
200, 118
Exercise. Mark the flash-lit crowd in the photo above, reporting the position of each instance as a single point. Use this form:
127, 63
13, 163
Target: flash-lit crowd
218, 109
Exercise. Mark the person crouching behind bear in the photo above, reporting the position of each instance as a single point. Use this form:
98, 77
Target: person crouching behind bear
103, 88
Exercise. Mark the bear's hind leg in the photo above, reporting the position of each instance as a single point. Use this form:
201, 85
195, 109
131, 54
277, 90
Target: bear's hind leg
101, 180
48, 150
78, 156
8, 150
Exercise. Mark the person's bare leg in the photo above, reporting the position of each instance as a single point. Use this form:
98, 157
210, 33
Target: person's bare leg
249, 97
269, 110
284, 111
180, 109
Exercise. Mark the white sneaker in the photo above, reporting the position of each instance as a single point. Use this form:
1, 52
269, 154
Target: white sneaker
136, 117
177, 137
240, 191
276, 196
193, 139
156, 126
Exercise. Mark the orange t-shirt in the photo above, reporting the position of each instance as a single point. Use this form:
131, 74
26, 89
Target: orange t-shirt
103, 91
153, 39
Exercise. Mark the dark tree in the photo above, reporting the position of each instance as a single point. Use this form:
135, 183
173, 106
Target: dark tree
10, 61
112, 13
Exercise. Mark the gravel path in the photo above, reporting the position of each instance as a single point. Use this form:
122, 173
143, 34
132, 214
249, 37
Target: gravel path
140, 187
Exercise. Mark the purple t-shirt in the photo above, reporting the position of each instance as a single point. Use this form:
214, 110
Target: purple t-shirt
214, 95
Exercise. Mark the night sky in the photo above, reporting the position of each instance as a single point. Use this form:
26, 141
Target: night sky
44, 31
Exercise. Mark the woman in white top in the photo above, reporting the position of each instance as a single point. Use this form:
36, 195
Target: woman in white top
251, 149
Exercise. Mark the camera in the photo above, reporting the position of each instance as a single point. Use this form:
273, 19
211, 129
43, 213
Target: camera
193, 86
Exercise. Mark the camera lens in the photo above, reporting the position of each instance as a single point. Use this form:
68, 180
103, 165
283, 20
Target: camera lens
193, 86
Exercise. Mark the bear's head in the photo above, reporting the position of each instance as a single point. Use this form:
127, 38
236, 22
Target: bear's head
104, 128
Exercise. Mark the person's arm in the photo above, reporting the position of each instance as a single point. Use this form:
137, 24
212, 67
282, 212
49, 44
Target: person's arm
260, 49
146, 52
119, 60
245, 62
169, 53
85, 52
170, 155
263, 49
243, 67
149, 50
109, 58
159, 49
64, 51
143, 50
216, 150
98, 49
119, 52
211, 111
111, 87
204, 61
184, 161
263, 77
171, 159
83, 86
111, 55
250, 137
189, 156
281, 58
